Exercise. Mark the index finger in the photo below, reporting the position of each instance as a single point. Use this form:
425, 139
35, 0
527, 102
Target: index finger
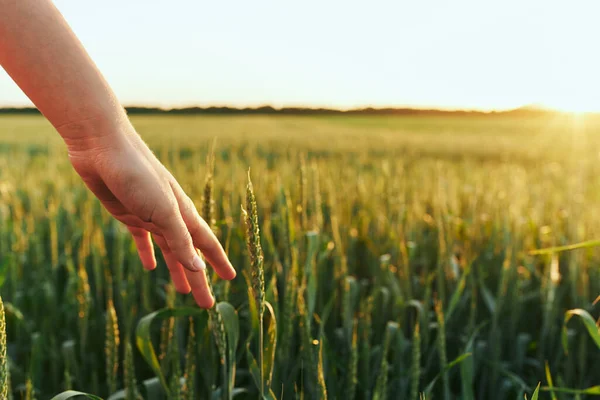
202, 236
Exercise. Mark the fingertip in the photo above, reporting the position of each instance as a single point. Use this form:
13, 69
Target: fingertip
230, 273
181, 284
200, 291
204, 301
183, 290
225, 271
149, 265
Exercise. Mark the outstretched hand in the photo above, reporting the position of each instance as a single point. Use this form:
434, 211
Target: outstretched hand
45, 58
132, 184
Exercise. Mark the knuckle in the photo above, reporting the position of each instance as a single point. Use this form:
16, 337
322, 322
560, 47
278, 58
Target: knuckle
183, 241
189, 205
157, 213
211, 246
195, 230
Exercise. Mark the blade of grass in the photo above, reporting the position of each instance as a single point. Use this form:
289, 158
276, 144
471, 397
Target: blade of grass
568, 247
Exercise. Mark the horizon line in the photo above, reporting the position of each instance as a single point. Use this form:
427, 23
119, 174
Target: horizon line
266, 108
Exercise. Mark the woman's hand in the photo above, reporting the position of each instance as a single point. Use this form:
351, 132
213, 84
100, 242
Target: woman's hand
132, 184
45, 58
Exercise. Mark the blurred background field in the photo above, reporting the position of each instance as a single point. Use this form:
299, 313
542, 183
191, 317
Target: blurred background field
393, 246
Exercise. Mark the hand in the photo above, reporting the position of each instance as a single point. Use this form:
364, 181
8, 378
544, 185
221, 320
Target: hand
132, 184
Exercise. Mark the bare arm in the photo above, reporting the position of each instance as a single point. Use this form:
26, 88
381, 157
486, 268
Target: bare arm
45, 58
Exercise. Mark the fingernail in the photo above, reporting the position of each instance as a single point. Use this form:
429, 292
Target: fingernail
198, 264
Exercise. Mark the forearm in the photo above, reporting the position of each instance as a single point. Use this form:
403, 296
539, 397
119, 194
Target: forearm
45, 58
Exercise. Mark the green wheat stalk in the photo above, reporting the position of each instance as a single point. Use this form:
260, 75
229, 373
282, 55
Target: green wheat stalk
256, 261
84, 302
131, 392
29, 392
4, 379
214, 317
441, 345
415, 369
112, 347
351, 378
175, 361
189, 390
288, 312
365, 334
303, 205
312, 365
175, 383
317, 199
167, 330
382, 378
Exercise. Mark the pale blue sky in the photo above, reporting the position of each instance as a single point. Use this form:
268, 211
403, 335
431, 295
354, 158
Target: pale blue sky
450, 54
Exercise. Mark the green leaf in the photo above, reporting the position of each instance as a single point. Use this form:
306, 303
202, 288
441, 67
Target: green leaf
457, 295
558, 249
232, 331
589, 323
216, 395
270, 328
536, 393
144, 337
348, 309
549, 379
4, 269
311, 289
117, 395
253, 365
153, 389
239, 391
590, 390
514, 378
467, 368
12, 311
325, 315
449, 366
421, 314
255, 372
73, 393
252, 306
488, 298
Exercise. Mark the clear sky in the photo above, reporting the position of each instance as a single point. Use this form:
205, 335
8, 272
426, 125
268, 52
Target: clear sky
472, 54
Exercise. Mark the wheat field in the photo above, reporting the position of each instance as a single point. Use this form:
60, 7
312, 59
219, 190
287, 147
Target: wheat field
377, 258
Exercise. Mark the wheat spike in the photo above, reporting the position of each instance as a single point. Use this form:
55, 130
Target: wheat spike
351, 378
415, 370
131, 392
112, 347
258, 273
441, 343
4, 378
254, 247
189, 390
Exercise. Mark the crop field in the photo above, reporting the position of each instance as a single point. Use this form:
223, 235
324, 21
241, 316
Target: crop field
396, 262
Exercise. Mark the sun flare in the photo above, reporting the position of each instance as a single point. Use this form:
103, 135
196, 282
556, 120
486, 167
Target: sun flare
574, 105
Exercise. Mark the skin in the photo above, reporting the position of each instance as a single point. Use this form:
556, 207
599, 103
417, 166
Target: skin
44, 57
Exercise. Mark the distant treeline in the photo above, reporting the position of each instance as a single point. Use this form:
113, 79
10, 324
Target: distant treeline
268, 110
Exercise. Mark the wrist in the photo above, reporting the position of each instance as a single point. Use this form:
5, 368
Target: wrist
94, 131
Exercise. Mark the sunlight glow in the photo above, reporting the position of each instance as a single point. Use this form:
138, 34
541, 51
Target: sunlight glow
574, 105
